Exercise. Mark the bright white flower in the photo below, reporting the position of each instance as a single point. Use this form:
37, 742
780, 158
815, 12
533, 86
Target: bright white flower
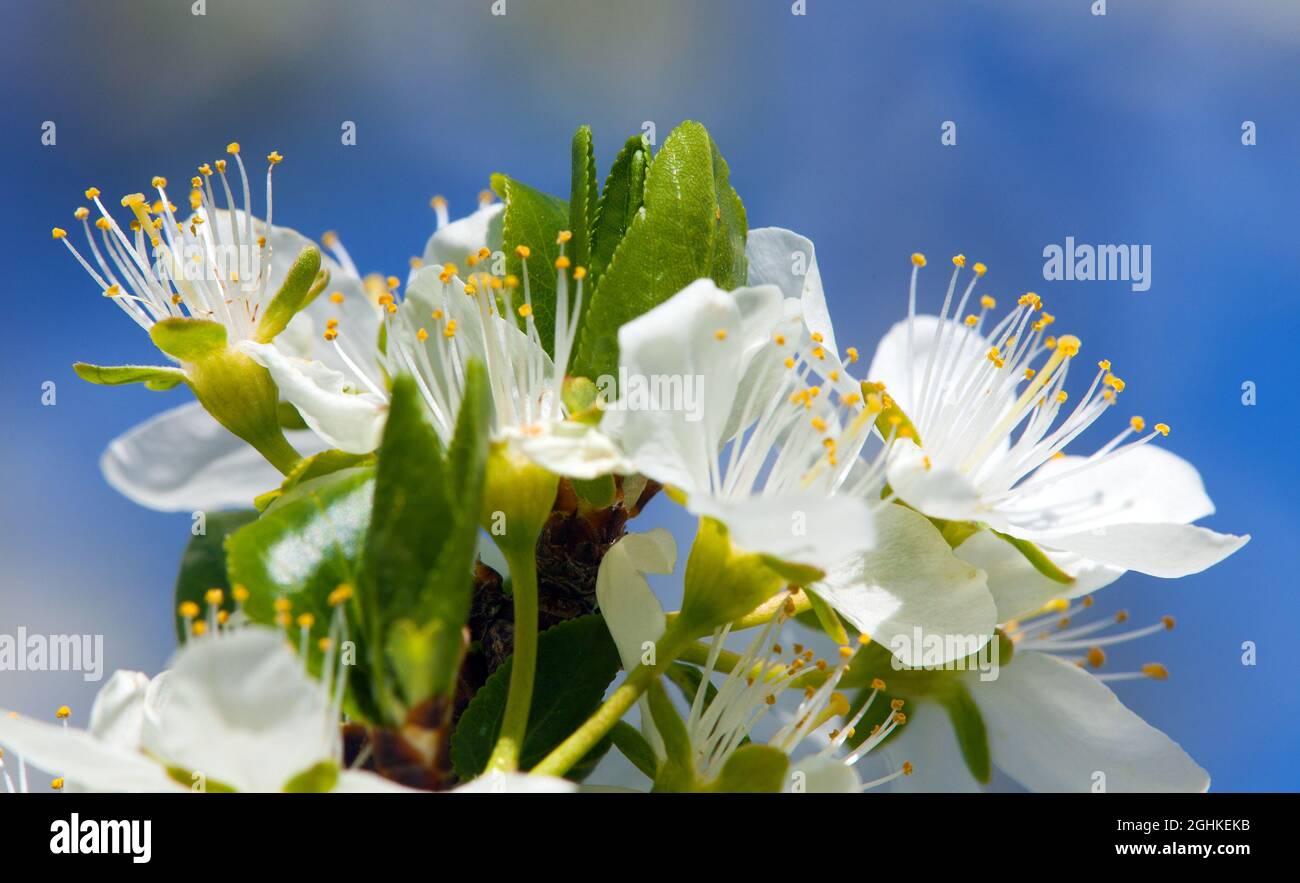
222, 265
236, 711
775, 450
445, 319
752, 682
1052, 724
989, 405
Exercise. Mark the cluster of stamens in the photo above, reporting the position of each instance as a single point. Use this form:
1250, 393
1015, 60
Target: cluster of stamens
1054, 630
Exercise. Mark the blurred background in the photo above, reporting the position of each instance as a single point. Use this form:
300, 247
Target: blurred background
1123, 128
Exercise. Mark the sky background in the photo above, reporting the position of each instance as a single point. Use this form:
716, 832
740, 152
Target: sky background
1117, 129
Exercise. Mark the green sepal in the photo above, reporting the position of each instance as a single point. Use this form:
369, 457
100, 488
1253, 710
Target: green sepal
722, 583
517, 499
827, 618
629, 741
155, 377
968, 726
753, 769
581, 400
598, 493
317, 779
677, 772
293, 294
189, 340
1038, 558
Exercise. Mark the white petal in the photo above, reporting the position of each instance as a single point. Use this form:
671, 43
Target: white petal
775, 255
823, 774
516, 783
902, 376
465, 236
1145, 485
911, 580
631, 611
117, 715
678, 340
927, 740
1018, 588
80, 758
1052, 726
350, 421
1166, 550
577, 450
807, 528
241, 710
184, 461
935, 490
359, 320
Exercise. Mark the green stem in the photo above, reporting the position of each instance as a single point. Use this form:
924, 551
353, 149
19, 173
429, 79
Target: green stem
523, 667
583, 739
279, 453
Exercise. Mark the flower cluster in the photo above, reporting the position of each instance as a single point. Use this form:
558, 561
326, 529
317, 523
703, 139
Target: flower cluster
894, 556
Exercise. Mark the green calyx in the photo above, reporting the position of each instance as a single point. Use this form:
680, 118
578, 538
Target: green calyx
235, 390
723, 583
517, 499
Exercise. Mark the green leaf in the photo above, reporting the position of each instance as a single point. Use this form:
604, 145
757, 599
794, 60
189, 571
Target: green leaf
534, 219
576, 661
1038, 558
582, 196
753, 769
685, 233
155, 377
189, 339
203, 564
972, 737
628, 740
305, 545
677, 772
292, 296
313, 467
619, 202
317, 779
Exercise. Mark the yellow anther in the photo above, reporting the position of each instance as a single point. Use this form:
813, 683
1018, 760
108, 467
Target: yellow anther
1062, 396
512, 282
778, 339
523, 251
846, 652
214, 596
927, 463
57, 784
987, 302
720, 334
421, 335
526, 310
81, 213
1031, 300
92, 192
223, 616
1029, 373
196, 199
158, 181
274, 157
1113, 382
205, 170
341, 594
221, 166
877, 684
188, 610
63, 713
1104, 364
232, 148
113, 290
1162, 428
438, 202
239, 592
306, 620
562, 263
959, 260
414, 262
565, 236
918, 259
437, 314
1121, 616
789, 362
819, 352
852, 353
1068, 345
819, 424
896, 704
1156, 670
336, 297
980, 269
331, 334
470, 289
485, 197
900, 718
1167, 622
817, 337
58, 233
392, 282
1096, 657
972, 320
323, 645
579, 272
907, 767
450, 330
283, 605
